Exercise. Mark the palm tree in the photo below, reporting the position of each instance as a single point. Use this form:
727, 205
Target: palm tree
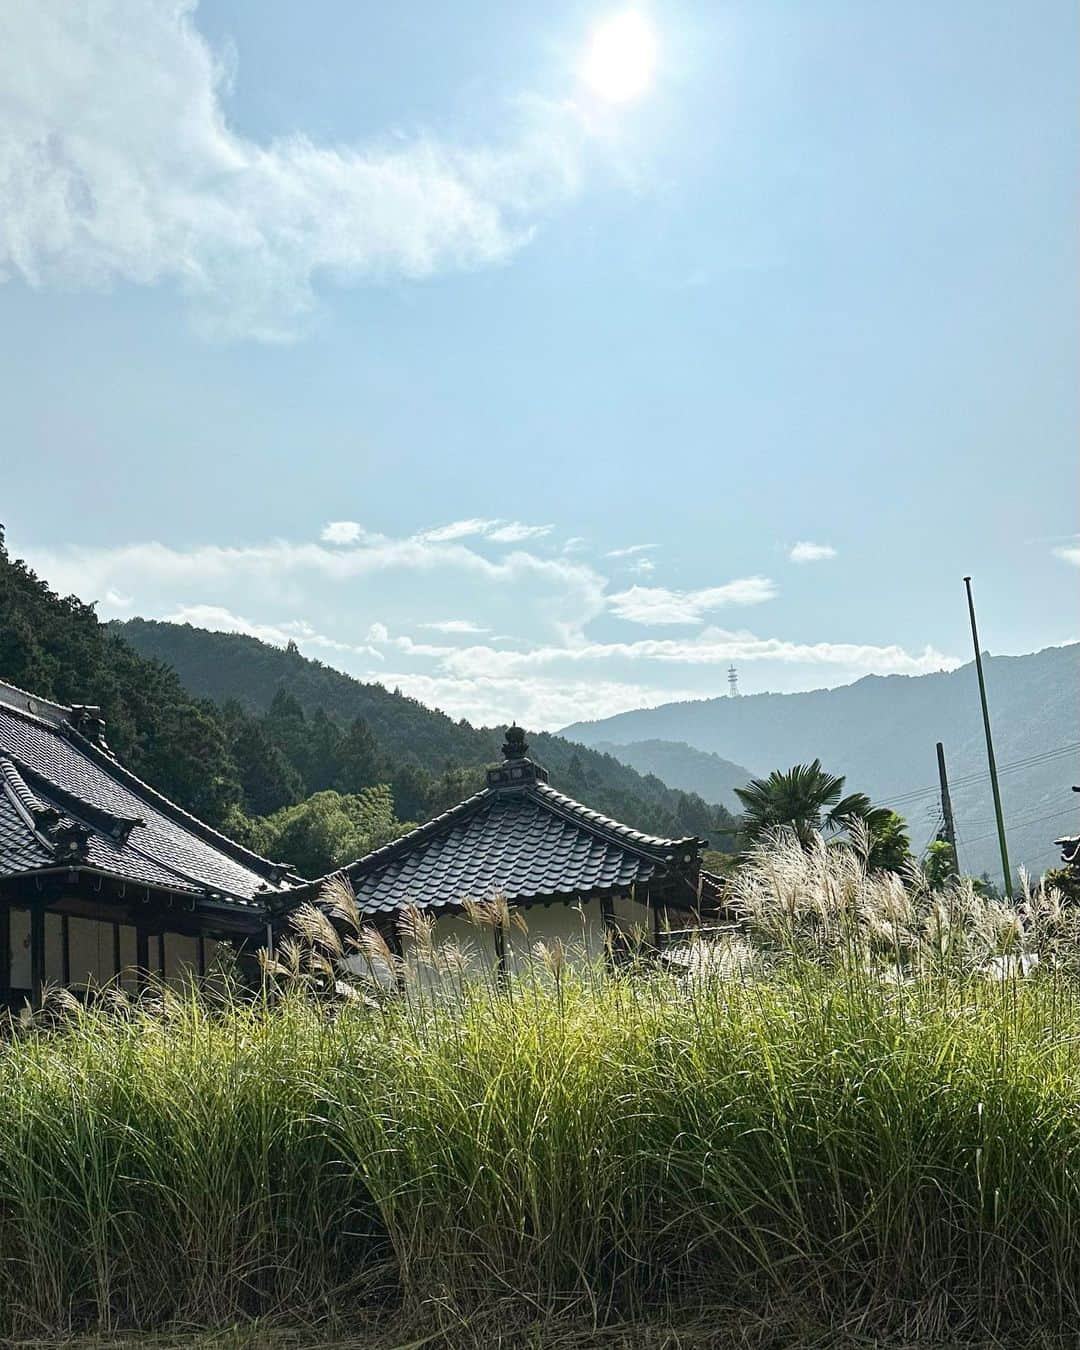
807, 800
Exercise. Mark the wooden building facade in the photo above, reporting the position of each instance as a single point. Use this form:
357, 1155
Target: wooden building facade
100, 875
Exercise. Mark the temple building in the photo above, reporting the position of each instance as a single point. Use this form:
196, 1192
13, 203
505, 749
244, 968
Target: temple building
574, 873
101, 876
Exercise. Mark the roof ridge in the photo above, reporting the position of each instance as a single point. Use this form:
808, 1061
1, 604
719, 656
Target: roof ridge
379, 856
104, 760
25, 800
99, 817
32, 716
596, 820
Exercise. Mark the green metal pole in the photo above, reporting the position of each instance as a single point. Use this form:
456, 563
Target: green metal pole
1006, 870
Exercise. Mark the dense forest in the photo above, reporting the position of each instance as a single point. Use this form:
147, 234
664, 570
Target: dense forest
295, 759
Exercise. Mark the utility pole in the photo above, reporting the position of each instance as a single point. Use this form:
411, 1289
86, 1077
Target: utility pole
1005, 869
946, 807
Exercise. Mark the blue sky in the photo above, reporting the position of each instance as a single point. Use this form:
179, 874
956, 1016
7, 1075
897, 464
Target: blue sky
383, 328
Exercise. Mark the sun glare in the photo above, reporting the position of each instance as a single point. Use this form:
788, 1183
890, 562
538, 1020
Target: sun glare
622, 54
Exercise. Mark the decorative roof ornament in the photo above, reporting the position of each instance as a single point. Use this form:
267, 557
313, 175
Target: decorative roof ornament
515, 747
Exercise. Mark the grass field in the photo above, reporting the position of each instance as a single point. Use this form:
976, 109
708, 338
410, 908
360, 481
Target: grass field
852, 1129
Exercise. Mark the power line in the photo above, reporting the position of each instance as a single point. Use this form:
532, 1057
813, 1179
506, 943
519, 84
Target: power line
1024, 824
1044, 757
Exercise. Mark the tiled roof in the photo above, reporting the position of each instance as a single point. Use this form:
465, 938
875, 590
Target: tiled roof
521, 839
64, 800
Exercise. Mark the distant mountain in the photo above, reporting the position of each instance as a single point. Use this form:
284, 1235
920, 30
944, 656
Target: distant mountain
881, 731
681, 766
234, 668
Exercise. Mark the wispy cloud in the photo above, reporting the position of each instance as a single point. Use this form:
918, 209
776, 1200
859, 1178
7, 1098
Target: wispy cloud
453, 626
1069, 553
366, 603
657, 605
514, 532
342, 532
806, 552
498, 531
629, 551
155, 186
218, 619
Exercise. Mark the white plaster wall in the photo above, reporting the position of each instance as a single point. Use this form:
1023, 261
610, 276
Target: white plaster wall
633, 917
181, 958
90, 948
580, 928
90, 945
20, 948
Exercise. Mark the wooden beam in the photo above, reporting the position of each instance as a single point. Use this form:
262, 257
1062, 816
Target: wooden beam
161, 955
5, 953
200, 948
142, 957
500, 953
65, 950
116, 960
37, 954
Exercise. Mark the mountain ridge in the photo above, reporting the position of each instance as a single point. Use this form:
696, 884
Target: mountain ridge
235, 667
881, 732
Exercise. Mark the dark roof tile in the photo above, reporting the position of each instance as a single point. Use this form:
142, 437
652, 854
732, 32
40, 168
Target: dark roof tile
525, 841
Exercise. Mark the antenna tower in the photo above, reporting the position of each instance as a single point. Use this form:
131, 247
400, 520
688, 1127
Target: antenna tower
733, 682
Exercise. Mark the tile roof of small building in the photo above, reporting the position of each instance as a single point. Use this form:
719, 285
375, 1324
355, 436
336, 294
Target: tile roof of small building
521, 839
65, 801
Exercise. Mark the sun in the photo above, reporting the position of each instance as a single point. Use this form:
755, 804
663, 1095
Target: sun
621, 57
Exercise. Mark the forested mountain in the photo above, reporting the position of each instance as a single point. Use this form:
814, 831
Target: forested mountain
429, 759
881, 731
295, 759
682, 766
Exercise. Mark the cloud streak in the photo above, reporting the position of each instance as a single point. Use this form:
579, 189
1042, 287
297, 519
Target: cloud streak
806, 552
657, 605
117, 163
541, 641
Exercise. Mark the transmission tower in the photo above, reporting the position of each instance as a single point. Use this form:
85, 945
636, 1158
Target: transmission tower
733, 682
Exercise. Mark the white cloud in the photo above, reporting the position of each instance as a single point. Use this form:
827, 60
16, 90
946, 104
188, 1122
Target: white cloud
342, 532
657, 605
629, 551
487, 700
806, 552
117, 163
117, 600
498, 531
544, 666
516, 533
454, 626
575, 545
714, 647
218, 619
1069, 553
458, 529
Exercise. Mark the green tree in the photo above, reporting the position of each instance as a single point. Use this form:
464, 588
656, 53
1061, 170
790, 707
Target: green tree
939, 865
804, 798
359, 763
890, 847
327, 830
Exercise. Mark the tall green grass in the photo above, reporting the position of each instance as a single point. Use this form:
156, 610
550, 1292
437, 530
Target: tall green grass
875, 1139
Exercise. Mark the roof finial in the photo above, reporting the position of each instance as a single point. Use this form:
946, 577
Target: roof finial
514, 746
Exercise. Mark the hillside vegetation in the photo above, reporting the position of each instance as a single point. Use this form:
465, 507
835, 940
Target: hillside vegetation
415, 743
881, 732
683, 766
292, 758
